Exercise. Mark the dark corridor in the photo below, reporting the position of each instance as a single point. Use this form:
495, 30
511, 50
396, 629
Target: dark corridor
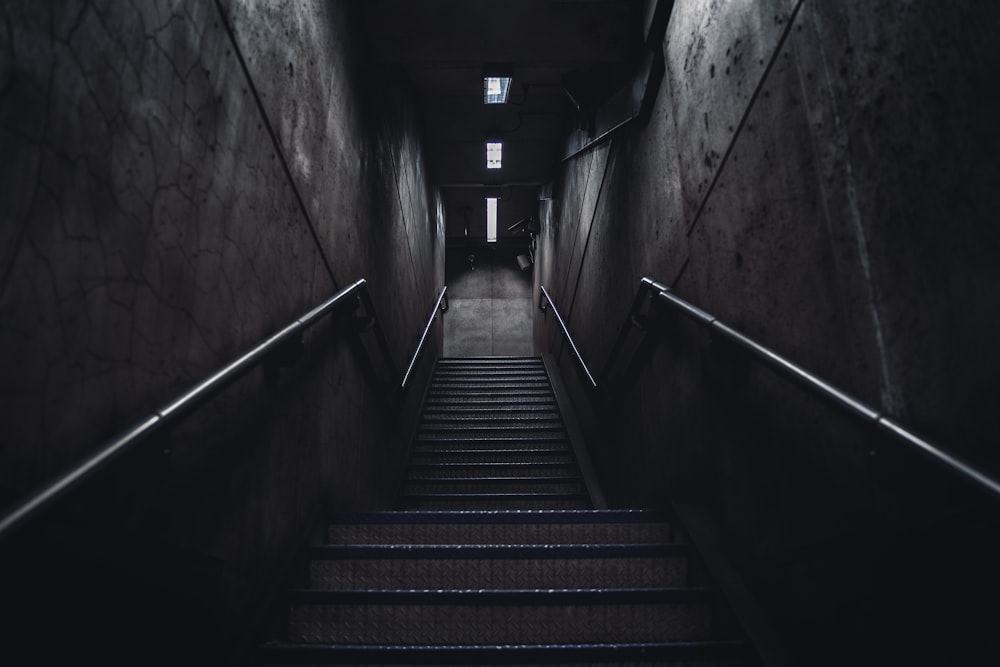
185, 181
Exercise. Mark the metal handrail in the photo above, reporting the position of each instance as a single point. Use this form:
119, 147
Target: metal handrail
562, 325
630, 320
807, 380
423, 338
191, 399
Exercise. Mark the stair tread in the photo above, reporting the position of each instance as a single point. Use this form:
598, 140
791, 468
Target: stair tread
489, 357
525, 654
500, 567
526, 531
498, 617
417, 487
485, 375
539, 494
516, 389
501, 516
534, 575
482, 396
490, 421
469, 395
552, 464
545, 439
446, 363
462, 480
500, 381
531, 473
499, 596
421, 488
534, 426
508, 502
429, 450
477, 403
494, 456
489, 436
507, 551
490, 383
514, 413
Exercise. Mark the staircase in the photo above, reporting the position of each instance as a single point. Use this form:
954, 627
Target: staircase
491, 438
497, 555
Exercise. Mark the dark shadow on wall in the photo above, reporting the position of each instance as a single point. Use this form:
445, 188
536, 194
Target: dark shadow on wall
166, 167
824, 199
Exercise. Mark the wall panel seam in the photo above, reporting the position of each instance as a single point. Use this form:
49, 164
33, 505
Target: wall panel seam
275, 142
586, 243
743, 120
402, 213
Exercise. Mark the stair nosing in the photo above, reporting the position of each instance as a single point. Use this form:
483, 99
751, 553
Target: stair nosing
434, 439
541, 495
436, 451
496, 551
503, 597
477, 466
717, 649
558, 516
489, 480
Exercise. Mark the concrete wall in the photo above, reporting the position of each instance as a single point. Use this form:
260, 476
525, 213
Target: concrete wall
489, 307
180, 180
818, 176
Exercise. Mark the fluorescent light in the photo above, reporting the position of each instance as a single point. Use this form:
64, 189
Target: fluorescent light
491, 219
495, 89
494, 154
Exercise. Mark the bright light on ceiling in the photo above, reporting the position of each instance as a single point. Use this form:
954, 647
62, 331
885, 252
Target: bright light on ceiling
494, 154
495, 89
491, 219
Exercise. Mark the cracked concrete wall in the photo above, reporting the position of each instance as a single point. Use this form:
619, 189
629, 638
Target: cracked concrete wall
180, 180
817, 176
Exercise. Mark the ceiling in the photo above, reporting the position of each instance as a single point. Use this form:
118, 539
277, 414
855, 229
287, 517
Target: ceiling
553, 49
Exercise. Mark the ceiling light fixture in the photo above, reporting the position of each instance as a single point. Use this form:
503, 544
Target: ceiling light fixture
496, 89
494, 154
491, 219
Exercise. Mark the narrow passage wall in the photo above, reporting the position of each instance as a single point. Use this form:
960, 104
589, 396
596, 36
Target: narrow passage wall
180, 180
821, 176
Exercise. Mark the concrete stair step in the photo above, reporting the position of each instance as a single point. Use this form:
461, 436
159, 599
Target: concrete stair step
459, 361
474, 567
484, 412
488, 402
490, 374
712, 653
500, 426
531, 527
504, 501
455, 470
508, 484
493, 456
515, 438
497, 419
511, 386
499, 616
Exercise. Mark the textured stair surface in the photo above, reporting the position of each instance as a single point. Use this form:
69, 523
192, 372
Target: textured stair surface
523, 528
498, 567
496, 555
489, 617
491, 437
